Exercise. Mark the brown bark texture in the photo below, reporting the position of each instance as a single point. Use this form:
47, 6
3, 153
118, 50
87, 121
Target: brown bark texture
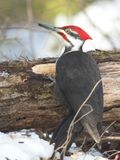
27, 97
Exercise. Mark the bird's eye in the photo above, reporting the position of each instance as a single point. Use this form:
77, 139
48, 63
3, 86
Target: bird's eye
67, 30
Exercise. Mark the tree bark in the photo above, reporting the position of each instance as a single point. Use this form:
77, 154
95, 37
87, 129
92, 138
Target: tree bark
27, 97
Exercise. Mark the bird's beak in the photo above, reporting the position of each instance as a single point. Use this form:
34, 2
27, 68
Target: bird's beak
49, 27
58, 30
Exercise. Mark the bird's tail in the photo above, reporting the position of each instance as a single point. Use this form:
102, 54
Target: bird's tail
60, 135
93, 132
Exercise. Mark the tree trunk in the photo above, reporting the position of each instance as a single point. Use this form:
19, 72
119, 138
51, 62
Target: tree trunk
27, 97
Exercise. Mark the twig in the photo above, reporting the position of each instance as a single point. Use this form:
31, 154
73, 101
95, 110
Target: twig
113, 150
106, 138
111, 138
91, 110
84, 140
103, 133
107, 128
114, 154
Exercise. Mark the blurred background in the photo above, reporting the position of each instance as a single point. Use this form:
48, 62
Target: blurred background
21, 37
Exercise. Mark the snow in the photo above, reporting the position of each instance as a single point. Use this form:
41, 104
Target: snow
4, 74
80, 155
26, 145
83, 156
20, 146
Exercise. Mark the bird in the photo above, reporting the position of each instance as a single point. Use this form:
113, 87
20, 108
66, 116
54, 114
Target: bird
77, 73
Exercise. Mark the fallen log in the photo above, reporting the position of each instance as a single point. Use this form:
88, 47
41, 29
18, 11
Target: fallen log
27, 97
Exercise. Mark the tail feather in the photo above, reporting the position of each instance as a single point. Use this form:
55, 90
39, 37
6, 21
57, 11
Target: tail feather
60, 134
64, 125
93, 132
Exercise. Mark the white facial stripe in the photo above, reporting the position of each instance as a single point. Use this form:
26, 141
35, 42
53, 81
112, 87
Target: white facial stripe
65, 41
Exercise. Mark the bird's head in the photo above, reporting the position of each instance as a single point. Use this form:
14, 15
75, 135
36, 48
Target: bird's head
74, 37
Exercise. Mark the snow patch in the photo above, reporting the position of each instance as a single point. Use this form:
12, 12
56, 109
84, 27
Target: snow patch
21, 146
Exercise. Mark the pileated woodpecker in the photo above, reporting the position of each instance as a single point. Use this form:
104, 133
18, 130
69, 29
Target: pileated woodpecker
76, 75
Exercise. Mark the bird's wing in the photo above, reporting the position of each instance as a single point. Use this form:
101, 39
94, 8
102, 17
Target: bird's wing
76, 75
